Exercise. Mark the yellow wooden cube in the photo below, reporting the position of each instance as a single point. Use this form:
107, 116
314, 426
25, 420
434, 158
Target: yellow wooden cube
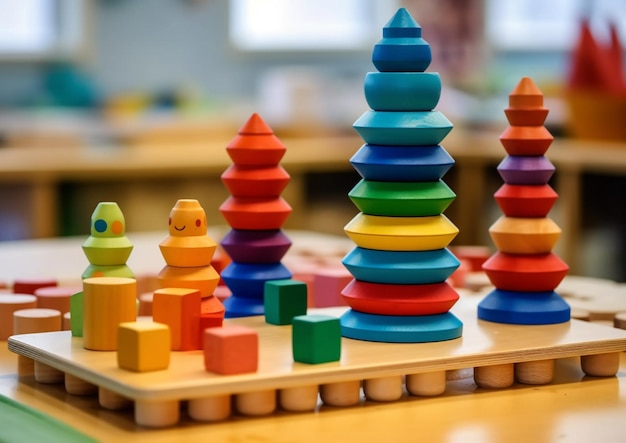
143, 346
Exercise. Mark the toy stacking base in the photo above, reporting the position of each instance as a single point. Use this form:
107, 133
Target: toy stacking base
400, 329
498, 354
237, 306
524, 308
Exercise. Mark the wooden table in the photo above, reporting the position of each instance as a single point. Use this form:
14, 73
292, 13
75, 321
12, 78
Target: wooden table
572, 408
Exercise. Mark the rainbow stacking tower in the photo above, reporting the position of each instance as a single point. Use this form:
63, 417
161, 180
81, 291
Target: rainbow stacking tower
400, 265
525, 271
256, 212
188, 251
107, 248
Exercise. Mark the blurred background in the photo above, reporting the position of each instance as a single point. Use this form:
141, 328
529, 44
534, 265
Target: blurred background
134, 101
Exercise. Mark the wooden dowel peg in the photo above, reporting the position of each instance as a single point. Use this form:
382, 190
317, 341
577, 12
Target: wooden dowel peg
347, 393
495, 376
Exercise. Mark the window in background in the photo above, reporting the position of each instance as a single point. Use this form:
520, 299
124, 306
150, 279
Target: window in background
305, 25
540, 25
41, 29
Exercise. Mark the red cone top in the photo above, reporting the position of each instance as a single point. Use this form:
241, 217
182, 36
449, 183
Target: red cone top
256, 144
255, 125
526, 95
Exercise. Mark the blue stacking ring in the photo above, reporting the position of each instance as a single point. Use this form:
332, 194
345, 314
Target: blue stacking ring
402, 91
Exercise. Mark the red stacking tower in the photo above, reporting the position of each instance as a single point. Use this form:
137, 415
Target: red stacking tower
525, 271
256, 212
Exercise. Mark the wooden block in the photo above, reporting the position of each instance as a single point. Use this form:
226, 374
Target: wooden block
30, 285
526, 170
145, 304
525, 200
402, 91
56, 297
77, 302
9, 303
327, 286
251, 246
107, 302
143, 346
284, 300
255, 213
67, 319
232, 349
212, 314
179, 308
316, 339
262, 181
28, 321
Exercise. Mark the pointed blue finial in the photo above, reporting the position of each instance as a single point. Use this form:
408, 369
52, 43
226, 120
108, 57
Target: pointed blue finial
402, 48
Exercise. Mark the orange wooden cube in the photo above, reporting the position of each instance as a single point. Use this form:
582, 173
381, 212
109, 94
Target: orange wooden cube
232, 349
179, 308
143, 346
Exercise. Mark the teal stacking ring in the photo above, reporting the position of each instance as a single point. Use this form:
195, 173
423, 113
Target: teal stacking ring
402, 91
413, 128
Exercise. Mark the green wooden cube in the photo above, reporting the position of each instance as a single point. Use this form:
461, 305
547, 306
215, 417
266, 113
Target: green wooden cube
316, 339
283, 300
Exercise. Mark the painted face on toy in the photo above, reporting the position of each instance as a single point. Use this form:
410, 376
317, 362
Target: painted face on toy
187, 221
107, 221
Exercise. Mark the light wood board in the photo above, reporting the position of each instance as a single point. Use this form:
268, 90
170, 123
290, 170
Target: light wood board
482, 344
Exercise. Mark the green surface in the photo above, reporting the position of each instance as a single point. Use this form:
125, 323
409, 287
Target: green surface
20, 424
316, 339
284, 300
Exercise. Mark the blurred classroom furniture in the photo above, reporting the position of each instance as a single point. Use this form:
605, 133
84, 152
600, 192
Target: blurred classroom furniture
50, 188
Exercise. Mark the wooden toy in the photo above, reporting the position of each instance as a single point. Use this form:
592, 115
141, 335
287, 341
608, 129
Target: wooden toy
9, 303
179, 309
524, 235
30, 285
231, 350
56, 297
284, 300
256, 212
316, 338
489, 348
107, 302
27, 321
77, 313
402, 163
524, 271
143, 346
107, 248
401, 263
328, 282
188, 250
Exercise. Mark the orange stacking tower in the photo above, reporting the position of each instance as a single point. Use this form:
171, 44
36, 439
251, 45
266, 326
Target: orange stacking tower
256, 212
525, 271
401, 263
188, 251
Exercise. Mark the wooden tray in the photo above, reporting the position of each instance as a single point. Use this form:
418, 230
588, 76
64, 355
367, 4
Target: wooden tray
483, 344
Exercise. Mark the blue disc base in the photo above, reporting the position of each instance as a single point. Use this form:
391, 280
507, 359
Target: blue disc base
400, 329
248, 279
524, 308
243, 307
